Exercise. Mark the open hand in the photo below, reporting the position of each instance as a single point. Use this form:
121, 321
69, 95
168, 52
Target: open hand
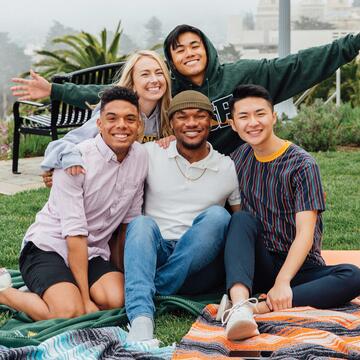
31, 89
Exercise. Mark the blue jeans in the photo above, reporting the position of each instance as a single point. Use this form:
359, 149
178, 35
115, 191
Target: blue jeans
155, 265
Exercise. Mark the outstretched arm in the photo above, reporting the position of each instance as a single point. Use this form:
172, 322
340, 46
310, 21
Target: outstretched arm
37, 87
288, 76
77, 95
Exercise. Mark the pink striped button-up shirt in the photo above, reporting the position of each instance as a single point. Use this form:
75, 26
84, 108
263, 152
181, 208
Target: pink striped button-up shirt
93, 204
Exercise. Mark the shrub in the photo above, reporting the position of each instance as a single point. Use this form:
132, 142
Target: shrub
349, 130
5, 149
314, 128
30, 145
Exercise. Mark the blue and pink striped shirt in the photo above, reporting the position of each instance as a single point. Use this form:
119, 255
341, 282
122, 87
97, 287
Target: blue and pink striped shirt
275, 190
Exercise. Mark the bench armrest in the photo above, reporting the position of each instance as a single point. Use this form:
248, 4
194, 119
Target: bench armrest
32, 103
16, 107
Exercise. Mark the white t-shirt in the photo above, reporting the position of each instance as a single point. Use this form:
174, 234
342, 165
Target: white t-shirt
173, 200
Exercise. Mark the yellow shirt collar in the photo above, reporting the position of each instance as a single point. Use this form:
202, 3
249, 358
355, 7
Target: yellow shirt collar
274, 155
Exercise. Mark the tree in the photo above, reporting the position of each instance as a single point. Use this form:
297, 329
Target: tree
248, 21
13, 61
229, 54
309, 23
84, 50
154, 32
127, 44
57, 30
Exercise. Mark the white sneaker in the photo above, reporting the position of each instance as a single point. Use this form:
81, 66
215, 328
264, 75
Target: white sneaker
145, 345
5, 279
225, 304
239, 320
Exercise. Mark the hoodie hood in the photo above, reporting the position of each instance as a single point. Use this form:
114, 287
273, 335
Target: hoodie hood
212, 73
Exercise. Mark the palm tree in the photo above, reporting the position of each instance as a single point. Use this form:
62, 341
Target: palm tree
82, 50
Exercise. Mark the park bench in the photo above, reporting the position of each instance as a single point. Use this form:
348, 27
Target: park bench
57, 117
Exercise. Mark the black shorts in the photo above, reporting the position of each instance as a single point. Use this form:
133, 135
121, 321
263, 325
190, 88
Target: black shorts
41, 269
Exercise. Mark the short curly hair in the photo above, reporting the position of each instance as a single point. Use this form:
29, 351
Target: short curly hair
118, 93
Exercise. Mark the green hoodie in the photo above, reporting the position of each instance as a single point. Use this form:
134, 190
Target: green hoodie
282, 77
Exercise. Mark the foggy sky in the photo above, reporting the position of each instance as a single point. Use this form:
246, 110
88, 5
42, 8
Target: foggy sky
27, 21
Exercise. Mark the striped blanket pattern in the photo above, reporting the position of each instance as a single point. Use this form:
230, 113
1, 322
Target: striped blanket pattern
298, 333
85, 344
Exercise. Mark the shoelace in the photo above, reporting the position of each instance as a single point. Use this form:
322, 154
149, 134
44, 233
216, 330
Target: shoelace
227, 313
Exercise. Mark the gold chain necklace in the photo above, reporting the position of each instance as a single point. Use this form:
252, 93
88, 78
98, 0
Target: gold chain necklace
186, 177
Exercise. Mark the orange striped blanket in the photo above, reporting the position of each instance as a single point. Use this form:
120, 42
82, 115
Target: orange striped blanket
298, 333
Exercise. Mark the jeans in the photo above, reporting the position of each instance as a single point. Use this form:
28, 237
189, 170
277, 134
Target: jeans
247, 261
155, 265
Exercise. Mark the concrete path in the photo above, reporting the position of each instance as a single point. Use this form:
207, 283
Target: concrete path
28, 179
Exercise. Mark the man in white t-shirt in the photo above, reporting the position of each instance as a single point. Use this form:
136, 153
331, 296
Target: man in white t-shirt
185, 223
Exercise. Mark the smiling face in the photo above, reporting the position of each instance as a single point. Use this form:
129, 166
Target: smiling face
254, 119
191, 128
119, 126
148, 78
189, 57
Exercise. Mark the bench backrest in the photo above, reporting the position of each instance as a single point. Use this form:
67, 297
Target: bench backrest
62, 114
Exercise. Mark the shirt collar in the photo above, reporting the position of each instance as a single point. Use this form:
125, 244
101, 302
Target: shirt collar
210, 162
106, 151
154, 114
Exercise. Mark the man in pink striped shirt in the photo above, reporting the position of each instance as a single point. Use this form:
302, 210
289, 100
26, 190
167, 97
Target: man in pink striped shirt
65, 255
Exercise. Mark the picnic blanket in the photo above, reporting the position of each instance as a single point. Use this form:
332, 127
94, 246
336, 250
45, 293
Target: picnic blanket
86, 344
18, 330
298, 333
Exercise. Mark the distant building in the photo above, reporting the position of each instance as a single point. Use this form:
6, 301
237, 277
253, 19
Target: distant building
263, 44
342, 14
309, 8
267, 14
263, 41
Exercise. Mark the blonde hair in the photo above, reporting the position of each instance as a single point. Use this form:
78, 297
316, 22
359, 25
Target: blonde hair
126, 80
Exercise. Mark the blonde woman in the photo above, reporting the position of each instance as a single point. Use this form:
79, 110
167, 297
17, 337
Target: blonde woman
145, 72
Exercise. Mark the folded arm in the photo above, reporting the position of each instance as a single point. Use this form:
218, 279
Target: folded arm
62, 153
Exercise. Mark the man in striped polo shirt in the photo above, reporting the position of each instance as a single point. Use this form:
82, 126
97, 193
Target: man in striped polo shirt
274, 245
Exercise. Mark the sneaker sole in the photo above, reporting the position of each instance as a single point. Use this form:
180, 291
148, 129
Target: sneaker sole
5, 281
243, 330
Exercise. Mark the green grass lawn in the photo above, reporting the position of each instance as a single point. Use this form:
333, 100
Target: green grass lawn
341, 180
